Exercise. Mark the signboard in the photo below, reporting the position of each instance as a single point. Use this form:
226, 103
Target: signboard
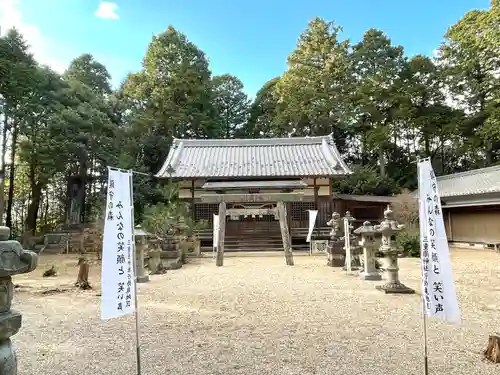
216, 231
118, 274
347, 244
438, 289
312, 220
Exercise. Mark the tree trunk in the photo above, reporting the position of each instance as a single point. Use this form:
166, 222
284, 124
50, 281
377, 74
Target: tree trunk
2, 168
8, 220
492, 352
381, 160
33, 207
427, 145
46, 210
82, 280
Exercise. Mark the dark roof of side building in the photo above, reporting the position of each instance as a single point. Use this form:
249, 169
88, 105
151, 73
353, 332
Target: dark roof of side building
261, 157
477, 181
365, 198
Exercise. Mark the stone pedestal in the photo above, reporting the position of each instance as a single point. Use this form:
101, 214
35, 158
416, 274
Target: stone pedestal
154, 260
139, 263
319, 246
336, 257
370, 271
14, 260
393, 285
367, 232
388, 227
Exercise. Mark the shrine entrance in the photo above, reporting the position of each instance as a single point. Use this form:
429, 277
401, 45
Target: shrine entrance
253, 221
252, 227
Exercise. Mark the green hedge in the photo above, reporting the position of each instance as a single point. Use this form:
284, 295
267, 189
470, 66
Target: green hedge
409, 243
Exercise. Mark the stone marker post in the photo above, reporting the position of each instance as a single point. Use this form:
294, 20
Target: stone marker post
367, 233
141, 244
14, 260
388, 228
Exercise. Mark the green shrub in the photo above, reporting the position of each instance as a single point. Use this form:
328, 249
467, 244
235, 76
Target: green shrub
409, 243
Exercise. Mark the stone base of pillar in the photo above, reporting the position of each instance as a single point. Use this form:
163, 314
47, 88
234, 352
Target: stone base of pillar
371, 276
143, 279
337, 262
353, 268
8, 360
395, 288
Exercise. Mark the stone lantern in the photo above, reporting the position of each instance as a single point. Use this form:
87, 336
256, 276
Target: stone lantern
334, 246
367, 242
388, 228
141, 244
14, 260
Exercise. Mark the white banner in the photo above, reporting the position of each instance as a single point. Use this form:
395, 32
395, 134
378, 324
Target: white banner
118, 274
438, 288
312, 220
216, 230
347, 245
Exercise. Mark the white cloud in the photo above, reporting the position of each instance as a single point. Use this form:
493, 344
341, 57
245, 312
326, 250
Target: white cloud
11, 17
107, 10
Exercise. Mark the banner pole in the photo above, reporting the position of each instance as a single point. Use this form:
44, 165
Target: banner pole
426, 359
137, 336
424, 314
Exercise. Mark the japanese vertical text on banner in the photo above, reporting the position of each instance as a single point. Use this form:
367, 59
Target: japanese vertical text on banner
438, 288
118, 276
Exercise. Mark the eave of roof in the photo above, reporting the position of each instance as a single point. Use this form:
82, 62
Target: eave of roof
238, 185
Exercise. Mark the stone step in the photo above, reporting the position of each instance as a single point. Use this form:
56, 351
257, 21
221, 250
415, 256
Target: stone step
256, 250
252, 239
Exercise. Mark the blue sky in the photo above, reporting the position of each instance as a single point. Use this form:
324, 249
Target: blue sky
249, 39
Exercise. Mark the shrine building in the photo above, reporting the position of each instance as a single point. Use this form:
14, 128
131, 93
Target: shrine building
471, 207
251, 176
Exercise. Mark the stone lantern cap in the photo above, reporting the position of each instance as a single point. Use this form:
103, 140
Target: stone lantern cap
335, 216
366, 229
139, 232
14, 260
348, 216
389, 225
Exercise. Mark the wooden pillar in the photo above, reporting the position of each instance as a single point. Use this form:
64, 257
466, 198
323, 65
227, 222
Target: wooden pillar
449, 226
315, 195
285, 234
222, 232
193, 211
289, 218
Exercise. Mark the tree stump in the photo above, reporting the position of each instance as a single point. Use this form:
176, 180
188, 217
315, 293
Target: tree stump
492, 352
82, 281
50, 272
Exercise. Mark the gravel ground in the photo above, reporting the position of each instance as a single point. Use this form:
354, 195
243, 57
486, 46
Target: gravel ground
257, 316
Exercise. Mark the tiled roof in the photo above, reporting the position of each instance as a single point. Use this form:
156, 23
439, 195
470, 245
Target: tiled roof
266, 157
477, 181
